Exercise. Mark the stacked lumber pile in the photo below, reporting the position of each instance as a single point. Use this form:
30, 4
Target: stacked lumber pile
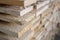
48, 20
25, 19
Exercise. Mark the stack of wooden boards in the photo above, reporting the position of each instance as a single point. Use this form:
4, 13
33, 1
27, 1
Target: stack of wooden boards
25, 19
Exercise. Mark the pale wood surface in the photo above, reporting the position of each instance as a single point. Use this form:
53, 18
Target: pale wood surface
23, 3
41, 4
14, 29
29, 17
36, 24
42, 10
16, 10
23, 37
9, 18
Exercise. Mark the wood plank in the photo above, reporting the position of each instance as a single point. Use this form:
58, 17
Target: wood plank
15, 10
23, 3
49, 27
47, 18
39, 33
36, 24
29, 17
38, 28
23, 37
41, 4
30, 36
10, 18
35, 19
47, 12
42, 10
14, 29
44, 15
50, 21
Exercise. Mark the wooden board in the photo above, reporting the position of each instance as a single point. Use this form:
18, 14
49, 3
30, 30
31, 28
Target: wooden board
41, 4
23, 3
14, 29
10, 18
36, 24
50, 21
42, 10
38, 28
49, 27
39, 33
15, 10
29, 17
46, 13
23, 37
30, 36
46, 19
35, 19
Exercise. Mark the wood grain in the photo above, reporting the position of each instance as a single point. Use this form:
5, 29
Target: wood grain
23, 3
14, 29
28, 34
16, 10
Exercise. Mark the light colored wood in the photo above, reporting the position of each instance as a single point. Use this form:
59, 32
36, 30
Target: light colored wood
35, 19
46, 15
14, 29
35, 25
23, 37
29, 17
41, 4
50, 21
10, 18
23, 3
38, 28
35, 22
42, 10
47, 18
47, 12
39, 33
16, 10
30, 36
